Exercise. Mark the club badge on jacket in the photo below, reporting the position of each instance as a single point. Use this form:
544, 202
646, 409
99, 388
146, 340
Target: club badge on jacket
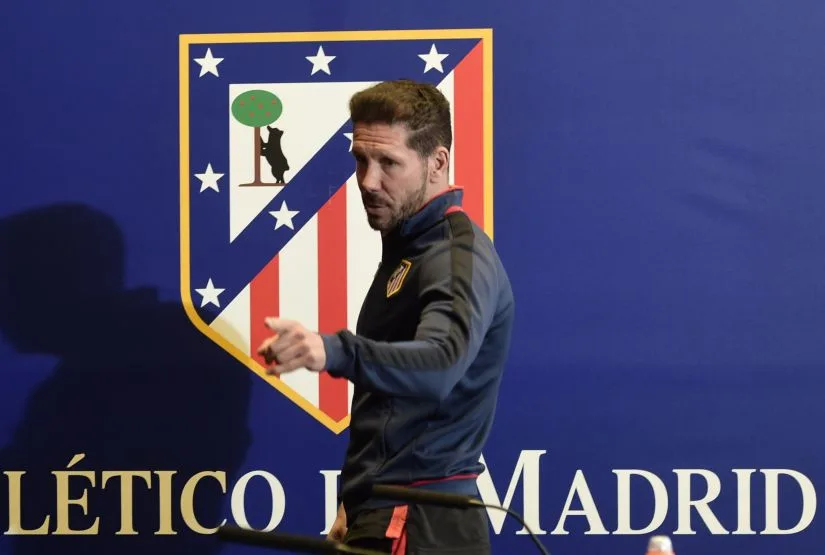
397, 278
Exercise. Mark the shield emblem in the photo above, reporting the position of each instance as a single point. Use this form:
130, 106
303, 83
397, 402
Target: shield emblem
271, 217
397, 278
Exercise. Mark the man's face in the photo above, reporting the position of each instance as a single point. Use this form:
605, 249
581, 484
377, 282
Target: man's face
392, 177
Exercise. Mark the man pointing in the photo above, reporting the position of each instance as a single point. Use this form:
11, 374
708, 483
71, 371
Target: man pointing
433, 334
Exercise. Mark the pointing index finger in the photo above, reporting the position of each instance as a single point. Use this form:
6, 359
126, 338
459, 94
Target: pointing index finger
275, 324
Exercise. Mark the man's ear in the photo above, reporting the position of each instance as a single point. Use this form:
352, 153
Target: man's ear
439, 164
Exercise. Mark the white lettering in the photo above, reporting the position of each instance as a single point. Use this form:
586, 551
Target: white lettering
743, 488
330, 499
278, 500
686, 501
692, 495
527, 467
580, 488
660, 501
772, 501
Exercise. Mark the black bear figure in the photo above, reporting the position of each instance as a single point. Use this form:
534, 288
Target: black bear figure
274, 154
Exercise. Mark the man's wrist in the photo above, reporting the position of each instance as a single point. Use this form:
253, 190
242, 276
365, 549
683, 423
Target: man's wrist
338, 362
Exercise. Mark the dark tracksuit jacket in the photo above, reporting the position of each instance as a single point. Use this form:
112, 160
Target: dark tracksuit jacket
427, 358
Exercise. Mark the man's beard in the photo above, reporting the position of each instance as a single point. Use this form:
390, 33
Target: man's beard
409, 207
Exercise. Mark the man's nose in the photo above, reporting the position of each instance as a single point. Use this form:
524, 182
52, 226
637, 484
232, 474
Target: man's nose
370, 179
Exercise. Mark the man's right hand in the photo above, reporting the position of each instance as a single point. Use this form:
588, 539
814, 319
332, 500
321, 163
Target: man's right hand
339, 527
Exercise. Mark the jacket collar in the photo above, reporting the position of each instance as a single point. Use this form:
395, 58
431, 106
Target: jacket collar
429, 214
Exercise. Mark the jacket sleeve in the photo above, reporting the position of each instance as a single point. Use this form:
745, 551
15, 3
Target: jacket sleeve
458, 293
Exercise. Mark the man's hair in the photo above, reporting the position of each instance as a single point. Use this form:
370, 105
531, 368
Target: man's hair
419, 106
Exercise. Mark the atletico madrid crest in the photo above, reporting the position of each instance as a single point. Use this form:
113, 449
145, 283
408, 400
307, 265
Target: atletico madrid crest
397, 278
272, 222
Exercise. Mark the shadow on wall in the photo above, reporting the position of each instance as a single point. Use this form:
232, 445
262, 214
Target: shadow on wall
137, 387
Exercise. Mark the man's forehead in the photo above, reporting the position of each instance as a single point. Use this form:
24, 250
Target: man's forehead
379, 137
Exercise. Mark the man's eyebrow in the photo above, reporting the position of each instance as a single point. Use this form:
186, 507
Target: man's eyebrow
376, 152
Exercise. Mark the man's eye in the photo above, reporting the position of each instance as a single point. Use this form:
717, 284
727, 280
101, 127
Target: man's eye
387, 162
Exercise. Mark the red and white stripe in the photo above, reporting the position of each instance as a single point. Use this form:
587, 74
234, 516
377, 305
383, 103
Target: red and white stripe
322, 275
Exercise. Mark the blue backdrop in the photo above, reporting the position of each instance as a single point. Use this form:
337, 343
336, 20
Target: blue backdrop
658, 202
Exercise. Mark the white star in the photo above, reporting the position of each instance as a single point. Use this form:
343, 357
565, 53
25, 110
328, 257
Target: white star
320, 61
209, 64
433, 60
284, 216
209, 179
349, 136
210, 294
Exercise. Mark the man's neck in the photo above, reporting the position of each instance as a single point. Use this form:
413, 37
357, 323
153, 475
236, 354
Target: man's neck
432, 192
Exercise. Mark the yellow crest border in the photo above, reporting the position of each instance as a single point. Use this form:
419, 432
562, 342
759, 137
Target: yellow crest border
187, 40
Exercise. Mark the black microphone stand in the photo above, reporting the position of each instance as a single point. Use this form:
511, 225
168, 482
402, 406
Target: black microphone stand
304, 544
521, 521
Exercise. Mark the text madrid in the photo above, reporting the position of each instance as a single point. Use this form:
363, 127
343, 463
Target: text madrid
690, 500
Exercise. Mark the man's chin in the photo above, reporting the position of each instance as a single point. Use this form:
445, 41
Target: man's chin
378, 224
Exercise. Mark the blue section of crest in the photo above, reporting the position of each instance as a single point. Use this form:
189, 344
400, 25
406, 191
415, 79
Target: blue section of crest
231, 266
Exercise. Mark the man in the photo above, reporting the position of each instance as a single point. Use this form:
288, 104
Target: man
432, 337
